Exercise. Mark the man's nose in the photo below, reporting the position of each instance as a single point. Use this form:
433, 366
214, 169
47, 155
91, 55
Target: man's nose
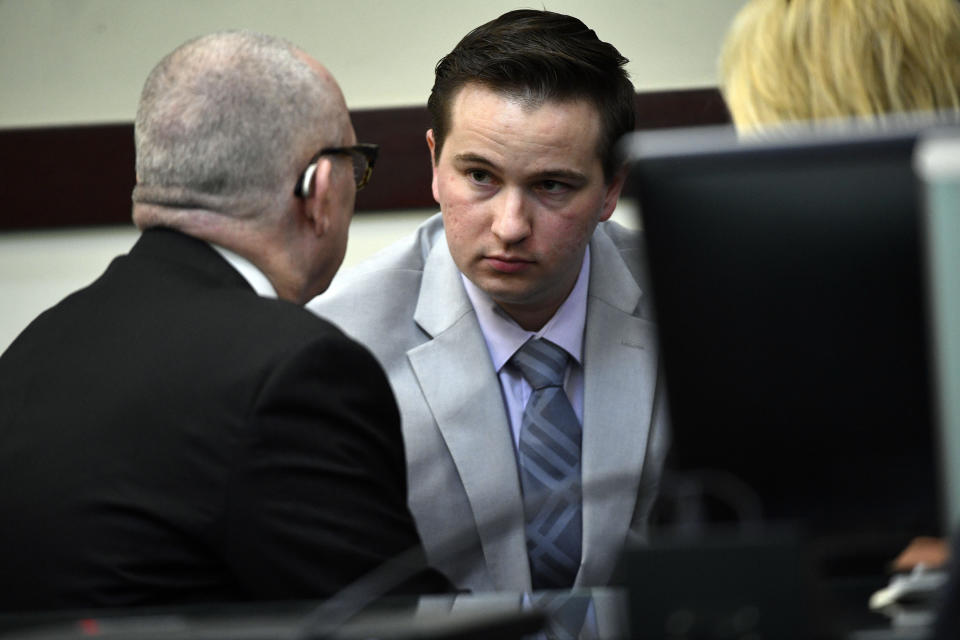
511, 221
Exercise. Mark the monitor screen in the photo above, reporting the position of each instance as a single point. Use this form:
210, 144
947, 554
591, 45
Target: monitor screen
787, 282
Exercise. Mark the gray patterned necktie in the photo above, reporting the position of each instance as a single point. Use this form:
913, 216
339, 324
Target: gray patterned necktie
549, 468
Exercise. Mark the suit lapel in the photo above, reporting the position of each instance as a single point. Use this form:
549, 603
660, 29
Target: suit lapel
620, 360
460, 386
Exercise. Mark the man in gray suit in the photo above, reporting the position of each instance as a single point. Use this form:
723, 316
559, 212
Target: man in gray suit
526, 110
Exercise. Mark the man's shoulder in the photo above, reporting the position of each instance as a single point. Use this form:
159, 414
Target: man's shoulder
626, 243
384, 284
612, 234
203, 301
405, 255
622, 237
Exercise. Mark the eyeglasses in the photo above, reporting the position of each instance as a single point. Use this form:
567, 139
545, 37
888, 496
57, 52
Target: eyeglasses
362, 155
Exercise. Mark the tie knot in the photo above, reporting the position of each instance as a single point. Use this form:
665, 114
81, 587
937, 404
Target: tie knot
541, 363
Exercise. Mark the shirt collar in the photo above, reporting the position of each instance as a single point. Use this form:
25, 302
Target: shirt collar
257, 280
504, 336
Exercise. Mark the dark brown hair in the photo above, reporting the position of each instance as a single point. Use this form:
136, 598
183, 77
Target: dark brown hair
537, 56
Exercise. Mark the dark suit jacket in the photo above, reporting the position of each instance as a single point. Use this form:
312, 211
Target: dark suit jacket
167, 436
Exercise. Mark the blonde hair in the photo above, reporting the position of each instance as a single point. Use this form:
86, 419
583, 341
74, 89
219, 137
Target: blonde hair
794, 60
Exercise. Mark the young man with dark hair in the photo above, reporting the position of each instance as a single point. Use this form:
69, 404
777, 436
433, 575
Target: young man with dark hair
514, 326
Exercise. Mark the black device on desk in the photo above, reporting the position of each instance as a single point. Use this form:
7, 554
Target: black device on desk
788, 286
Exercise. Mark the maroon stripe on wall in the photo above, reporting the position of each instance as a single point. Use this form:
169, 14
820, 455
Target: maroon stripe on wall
83, 175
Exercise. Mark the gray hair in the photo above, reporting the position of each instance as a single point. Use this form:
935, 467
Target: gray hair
224, 120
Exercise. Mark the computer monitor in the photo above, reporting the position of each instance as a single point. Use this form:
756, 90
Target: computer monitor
788, 287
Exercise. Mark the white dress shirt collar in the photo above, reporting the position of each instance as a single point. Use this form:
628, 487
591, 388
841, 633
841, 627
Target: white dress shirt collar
249, 271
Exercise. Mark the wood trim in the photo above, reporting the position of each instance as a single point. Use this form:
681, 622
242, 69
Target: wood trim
83, 175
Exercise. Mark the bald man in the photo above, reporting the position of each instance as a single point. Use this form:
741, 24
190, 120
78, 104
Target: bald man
182, 430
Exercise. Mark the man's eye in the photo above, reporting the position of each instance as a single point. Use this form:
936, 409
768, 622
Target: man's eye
554, 187
479, 176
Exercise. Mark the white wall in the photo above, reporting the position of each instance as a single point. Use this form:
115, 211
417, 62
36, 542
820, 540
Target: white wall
70, 61
84, 61
38, 268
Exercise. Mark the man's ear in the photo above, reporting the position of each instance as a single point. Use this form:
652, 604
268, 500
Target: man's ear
316, 206
432, 145
612, 195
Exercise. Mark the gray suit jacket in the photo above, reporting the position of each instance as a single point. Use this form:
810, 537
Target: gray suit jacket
408, 305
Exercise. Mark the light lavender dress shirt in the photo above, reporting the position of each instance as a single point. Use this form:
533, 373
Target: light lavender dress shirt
504, 336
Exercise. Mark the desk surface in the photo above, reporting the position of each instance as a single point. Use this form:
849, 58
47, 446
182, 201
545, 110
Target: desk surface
497, 615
